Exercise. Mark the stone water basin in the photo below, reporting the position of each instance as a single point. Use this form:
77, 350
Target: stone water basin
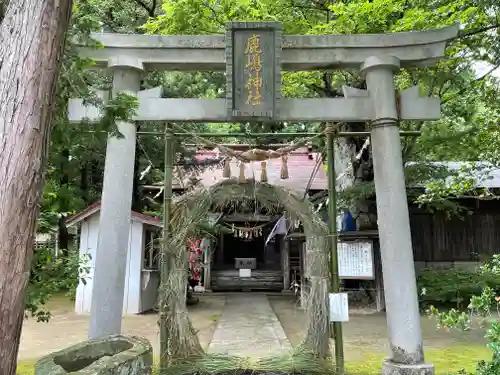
110, 355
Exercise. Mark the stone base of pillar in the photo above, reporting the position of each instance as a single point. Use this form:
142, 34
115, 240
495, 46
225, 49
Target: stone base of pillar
393, 368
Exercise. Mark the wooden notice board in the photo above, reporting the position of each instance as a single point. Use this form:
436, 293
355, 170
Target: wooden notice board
356, 260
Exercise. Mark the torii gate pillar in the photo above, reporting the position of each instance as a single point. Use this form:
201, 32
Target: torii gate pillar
116, 201
403, 316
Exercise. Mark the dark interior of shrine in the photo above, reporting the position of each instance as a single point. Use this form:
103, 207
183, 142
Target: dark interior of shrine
239, 244
247, 240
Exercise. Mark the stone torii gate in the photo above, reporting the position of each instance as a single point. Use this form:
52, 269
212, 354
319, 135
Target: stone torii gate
253, 55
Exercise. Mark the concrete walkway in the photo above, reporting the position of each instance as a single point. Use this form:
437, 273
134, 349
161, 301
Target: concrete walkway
249, 327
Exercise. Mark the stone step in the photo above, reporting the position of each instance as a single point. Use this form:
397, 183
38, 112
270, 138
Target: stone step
249, 327
259, 280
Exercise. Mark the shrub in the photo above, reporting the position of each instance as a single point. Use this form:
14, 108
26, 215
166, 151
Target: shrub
453, 287
485, 304
51, 275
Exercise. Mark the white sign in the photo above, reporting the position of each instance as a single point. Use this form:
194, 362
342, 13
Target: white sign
339, 307
356, 260
245, 272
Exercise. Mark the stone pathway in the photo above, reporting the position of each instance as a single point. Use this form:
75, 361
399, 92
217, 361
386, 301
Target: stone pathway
249, 327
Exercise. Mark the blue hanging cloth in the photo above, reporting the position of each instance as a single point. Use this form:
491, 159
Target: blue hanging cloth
348, 223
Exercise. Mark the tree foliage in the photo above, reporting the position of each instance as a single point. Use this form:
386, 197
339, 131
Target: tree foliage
467, 131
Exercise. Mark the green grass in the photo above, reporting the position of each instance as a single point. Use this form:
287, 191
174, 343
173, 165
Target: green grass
447, 361
26, 367
215, 317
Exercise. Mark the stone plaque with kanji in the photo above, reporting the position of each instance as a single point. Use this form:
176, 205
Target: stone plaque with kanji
253, 70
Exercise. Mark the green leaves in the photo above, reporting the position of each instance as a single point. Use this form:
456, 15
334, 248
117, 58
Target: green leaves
482, 305
52, 275
120, 108
451, 319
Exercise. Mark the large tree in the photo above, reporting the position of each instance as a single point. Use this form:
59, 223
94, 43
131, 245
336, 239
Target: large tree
32, 38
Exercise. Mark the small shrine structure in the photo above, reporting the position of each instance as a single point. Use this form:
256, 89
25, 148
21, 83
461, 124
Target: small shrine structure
142, 277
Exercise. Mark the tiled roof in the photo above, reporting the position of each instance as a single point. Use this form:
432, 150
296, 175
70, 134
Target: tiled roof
96, 207
300, 169
488, 176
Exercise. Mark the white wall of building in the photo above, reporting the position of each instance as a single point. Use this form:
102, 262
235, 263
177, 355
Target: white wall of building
132, 303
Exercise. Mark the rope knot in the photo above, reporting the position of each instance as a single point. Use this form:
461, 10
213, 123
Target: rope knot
331, 128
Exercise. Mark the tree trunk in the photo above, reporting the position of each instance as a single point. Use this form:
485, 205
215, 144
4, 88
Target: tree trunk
3, 8
96, 175
136, 191
64, 202
32, 36
63, 240
345, 155
84, 182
